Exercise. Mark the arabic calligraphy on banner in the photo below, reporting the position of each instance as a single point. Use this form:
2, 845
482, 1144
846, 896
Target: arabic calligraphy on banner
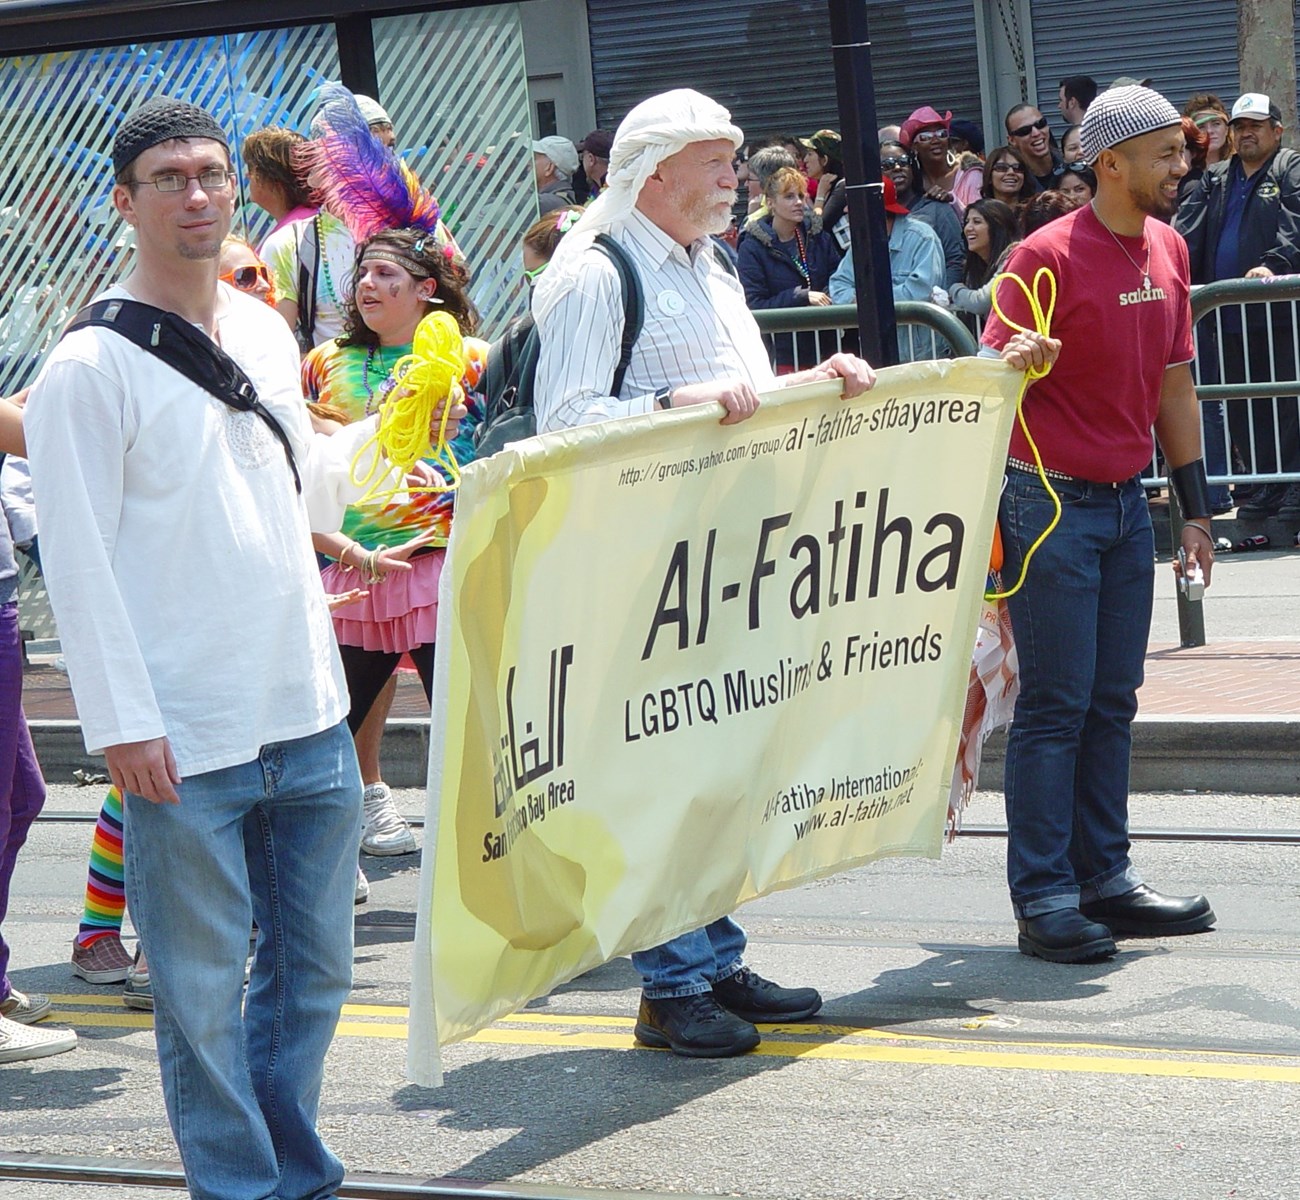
681, 665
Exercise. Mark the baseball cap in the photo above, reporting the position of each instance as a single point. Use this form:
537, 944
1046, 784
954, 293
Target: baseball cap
891, 199
374, 112
1256, 105
825, 141
1129, 81
562, 152
598, 142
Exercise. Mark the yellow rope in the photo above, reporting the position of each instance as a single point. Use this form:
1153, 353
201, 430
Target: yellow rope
424, 379
1042, 324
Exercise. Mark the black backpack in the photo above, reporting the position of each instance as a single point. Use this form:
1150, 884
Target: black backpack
508, 378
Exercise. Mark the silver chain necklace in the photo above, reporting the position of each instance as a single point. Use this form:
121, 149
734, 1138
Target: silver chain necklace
1145, 272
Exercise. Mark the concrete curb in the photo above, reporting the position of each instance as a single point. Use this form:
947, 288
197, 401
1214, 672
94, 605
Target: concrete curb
1234, 755
60, 751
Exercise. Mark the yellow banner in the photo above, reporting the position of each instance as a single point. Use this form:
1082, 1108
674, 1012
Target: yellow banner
682, 665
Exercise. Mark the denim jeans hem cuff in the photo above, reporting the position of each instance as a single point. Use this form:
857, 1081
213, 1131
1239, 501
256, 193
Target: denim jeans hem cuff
1026, 910
680, 993
732, 968
1125, 879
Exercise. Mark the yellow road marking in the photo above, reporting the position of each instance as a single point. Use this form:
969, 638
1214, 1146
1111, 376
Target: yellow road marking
824, 1043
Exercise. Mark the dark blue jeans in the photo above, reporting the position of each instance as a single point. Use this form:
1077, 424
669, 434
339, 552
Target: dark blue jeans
1081, 624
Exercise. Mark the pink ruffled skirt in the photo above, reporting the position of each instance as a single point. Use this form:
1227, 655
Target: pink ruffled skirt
401, 611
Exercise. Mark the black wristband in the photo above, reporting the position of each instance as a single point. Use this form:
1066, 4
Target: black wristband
664, 398
1191, 488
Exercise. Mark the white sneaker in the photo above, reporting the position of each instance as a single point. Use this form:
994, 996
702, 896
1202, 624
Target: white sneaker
23, 1008
362, 894
18, 1042
383, 831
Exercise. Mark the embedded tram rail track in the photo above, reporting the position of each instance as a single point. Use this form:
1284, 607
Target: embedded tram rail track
1239, 837
134, 1173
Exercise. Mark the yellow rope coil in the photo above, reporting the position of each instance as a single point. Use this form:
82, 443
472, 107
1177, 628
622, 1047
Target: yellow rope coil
1042, 324
424, 379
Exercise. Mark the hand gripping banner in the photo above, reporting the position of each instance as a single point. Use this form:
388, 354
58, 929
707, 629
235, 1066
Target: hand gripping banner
682, 665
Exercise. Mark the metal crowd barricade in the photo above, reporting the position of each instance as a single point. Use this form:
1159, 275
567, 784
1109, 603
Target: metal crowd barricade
925, 331
1247, 331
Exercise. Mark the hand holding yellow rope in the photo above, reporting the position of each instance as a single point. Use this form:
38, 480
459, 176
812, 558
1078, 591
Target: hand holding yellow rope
427, 382
1042, 324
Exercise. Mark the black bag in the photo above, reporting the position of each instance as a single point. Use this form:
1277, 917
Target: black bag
511, 367
189, 352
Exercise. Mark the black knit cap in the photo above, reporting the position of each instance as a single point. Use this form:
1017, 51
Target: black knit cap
159, 120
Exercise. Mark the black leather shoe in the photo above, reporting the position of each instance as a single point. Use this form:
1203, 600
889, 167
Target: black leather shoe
1065, 935
753, 998
694, 1026
1144, 912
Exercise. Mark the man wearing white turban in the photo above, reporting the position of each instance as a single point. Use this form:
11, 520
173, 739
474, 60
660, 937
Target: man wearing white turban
670, 186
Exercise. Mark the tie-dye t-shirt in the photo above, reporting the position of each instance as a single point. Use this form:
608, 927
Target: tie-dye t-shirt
337, 375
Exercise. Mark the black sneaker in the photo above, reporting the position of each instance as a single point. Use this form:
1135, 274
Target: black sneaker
754, 998
1264, 502
1289, 506
693, 1026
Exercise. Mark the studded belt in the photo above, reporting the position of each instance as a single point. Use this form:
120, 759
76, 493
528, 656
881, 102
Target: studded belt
1027, 468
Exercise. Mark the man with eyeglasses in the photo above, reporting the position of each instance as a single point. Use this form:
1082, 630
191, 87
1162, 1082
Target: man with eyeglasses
177, 554
1027, 131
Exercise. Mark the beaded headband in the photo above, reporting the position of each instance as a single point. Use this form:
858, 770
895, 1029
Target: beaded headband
400, 259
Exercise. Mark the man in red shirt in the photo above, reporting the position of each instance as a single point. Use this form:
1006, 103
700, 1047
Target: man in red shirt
1082, 619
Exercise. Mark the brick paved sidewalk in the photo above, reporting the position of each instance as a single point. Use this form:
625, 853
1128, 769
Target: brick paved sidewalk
1226, 679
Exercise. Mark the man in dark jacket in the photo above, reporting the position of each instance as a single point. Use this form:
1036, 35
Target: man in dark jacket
1242, 219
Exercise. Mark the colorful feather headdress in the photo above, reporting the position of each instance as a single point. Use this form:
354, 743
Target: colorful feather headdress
359, 179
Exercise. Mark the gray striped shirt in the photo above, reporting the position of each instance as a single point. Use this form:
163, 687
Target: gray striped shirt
697, 330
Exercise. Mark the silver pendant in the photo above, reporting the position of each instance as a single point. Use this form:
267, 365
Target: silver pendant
1146, 282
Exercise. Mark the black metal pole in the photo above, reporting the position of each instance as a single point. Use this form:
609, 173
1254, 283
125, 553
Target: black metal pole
358, 71
855, 89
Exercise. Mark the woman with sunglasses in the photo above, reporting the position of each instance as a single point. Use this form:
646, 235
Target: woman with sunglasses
939, 173
1078, 183
1007, 177
394, 548
240, 267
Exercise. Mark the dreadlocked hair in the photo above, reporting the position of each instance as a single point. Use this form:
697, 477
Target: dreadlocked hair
426, 251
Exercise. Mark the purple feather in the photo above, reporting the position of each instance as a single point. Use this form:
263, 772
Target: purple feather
361, 180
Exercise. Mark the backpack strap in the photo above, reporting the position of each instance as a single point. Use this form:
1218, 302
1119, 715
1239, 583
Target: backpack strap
307, 289
633, 304
189, 352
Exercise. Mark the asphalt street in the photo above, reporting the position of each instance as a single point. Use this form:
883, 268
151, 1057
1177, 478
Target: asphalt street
944, 1063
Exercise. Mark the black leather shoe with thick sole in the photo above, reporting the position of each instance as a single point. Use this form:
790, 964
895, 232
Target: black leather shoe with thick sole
693, 1026
753, 998
1144, 912
1065, 936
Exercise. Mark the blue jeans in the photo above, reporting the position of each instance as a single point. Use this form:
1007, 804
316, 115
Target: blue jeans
1081, 624
274, 841
692, 963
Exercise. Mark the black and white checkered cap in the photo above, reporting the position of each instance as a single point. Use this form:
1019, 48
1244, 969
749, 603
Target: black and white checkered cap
1122, 113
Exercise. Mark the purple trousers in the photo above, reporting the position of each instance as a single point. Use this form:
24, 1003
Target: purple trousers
22, 790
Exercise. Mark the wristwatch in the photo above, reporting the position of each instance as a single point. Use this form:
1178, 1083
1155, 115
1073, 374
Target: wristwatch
664, 398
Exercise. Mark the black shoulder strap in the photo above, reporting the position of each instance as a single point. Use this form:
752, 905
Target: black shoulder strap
633, 305
187, 351
724, 261
307, 287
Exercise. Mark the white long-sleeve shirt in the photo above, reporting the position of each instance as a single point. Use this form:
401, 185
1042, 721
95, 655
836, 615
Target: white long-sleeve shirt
698, 329
176, 550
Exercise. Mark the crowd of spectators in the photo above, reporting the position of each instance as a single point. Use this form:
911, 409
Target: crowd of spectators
1238, 205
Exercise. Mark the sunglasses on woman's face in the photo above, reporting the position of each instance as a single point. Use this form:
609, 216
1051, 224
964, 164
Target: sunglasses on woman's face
245, 278
1008, 168
892, 163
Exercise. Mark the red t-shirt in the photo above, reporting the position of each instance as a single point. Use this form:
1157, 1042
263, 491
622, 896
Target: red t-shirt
1091, 416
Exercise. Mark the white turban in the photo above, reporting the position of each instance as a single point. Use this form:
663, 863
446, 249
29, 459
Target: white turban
654, 130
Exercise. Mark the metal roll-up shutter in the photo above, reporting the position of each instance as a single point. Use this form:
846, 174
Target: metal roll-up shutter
1183, 48
769, 61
